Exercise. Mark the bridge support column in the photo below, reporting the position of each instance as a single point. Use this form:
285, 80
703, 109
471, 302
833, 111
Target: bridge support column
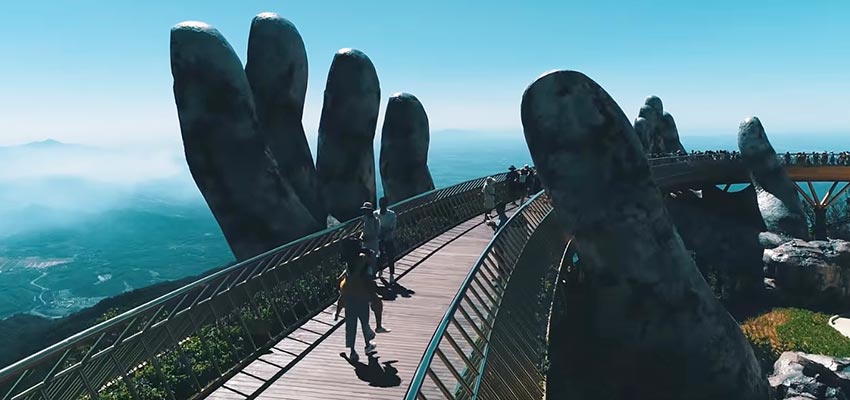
819, 225
820, 204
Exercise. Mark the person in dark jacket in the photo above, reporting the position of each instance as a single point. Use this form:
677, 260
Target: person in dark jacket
512, 179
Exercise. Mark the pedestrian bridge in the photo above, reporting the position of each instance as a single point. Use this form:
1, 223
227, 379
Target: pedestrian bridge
464, 325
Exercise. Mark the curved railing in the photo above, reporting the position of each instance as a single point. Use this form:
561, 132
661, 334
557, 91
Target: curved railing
195, 337
189, 340
492, 338
491, 342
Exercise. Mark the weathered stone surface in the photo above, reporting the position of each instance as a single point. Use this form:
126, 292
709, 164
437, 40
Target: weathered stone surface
815, 273
670, 134
277, 72
655, 103
722, 230
649, 315
778, 201
346, 158
256, 209
405, 137
656, 128
643, 129
799, 375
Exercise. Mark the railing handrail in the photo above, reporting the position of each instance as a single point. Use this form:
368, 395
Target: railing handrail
60, 346
57, 348
428, 355
437, 338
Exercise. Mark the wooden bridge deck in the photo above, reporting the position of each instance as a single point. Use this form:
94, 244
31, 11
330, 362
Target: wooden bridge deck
312, 362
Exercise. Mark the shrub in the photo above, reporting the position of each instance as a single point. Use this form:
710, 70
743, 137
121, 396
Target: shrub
793, 329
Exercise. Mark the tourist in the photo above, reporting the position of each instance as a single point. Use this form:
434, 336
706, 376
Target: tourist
503, 218
523, 183
349, 249
537, 184
386, 238
489, 193
529, 182
377, 305
371, 232
355, 295
512, 178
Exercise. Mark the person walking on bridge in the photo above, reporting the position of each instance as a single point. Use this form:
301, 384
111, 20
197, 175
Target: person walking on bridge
489, 193
512, 178
369, 236
386, 238
355, 296
523, 183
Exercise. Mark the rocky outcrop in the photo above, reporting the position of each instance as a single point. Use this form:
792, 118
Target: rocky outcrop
277, 72
256, 208
656, 129
722, 230
778, 201
799, 375
815, 273
346, 158
648, 314
404, 149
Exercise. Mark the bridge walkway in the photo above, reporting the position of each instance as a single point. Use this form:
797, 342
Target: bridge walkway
312, 363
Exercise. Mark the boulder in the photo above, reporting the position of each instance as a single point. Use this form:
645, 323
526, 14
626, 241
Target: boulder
277, 72
814, 273
799, 375
722, 230
778, 200
648, 314
404, 149
346, 158
256, 208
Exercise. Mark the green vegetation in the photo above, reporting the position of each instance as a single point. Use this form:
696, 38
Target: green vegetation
793, 329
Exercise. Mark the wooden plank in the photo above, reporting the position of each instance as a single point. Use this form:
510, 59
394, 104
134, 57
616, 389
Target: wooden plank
430, 277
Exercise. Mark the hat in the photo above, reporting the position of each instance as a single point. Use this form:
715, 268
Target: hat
525, 167
511, 168
367, 206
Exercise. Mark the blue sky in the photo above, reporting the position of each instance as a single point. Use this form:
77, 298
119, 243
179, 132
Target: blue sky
98, 71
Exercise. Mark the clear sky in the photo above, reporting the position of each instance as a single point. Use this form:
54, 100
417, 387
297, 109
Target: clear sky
98, 71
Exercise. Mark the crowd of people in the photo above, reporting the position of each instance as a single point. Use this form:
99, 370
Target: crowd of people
815, 158
809, 159
521, 184
711, 154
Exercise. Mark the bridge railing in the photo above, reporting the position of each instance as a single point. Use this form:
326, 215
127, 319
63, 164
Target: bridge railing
830, 159
492, 338
192, 339
195, 337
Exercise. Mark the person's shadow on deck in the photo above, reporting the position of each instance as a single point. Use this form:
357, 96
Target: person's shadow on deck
375, 373
391, 292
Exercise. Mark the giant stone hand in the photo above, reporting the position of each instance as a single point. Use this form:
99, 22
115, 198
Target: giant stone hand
245, 142
225, 143
649, 315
